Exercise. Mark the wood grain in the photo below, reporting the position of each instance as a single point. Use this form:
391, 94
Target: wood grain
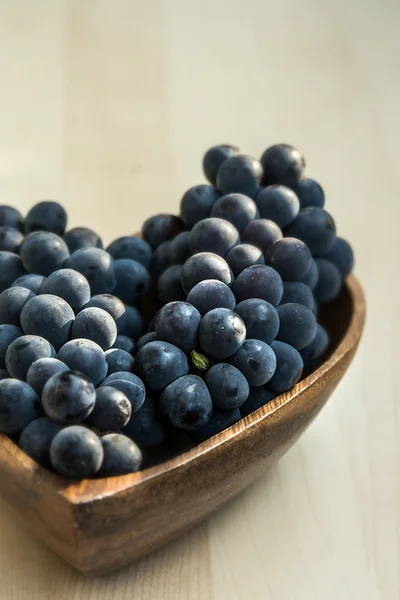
321, 75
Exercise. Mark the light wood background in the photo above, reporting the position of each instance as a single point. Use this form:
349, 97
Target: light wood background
108, 107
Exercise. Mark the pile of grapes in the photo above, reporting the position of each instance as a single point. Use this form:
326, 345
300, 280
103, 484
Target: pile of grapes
89, 388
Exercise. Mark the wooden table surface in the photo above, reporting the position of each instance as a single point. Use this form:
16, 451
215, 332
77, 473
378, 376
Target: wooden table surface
108, 107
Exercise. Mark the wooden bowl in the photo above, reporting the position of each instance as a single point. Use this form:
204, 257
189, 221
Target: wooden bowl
101, 525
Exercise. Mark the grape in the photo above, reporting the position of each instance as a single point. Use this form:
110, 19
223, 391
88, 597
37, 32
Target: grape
242, 256
133, 280
279, 204
289, 367
213, 235
42, 370
282, 164
97, 325
112, 409
188, 403
219, 421
159, 364
160, 259
30, 281
145, 429
111, 304
290, 257
8, 333
97, 266
131, 247
68, 397
76, 452
238, 209
43, 252
178, 323
258, 397
316, 228
85, 356
48, 316
179, 250
197, 203
19, 405
131, 385
311, 277
69, 285
297, 325
341, 254
310, 193
317, 348
210, 294
35, 440
259, 281
131, 323
261, 233
227, 385
160, 228
221, 334
329, 281
23, 351
11, 268
46, 216
261, 319
256, 360
82, 237
124, 343
11, 217
10, 239
169, 285
239, 174
119, 360
146, 339
297, 292
12, 301
202, 266
213, 159
121, 455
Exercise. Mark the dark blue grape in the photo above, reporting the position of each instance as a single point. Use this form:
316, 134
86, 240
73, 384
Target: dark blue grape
256, 360
312, 353
219, 421
42, 370
69, 285
46, 216
125, 343
35, 440
169, 285
97, 266
316, 228
282, 164
112, 409
210, 294
11, 268
238, 209
228, 387
19, 405
178, 323
133, 280
160, 228
68, 397
131, 247
329, 281
341, 254
146, 339
239, 174
261, 319
197, 204
12, 301
119, 360
311, 277
160, 259
279, 204
10, 239
179, 250
297, 325
121, 456
242, 256
202, 266
8, 333
295, 291
261, 233
23, 351
221, 334
290, 257
43, 252
11, 217
259, 281
82, 237
213, 159
310, 193
131, 323
258, 397
76, 452
49, 317
187, 402
145, 428
30, 281
97, 325
289, 367
85, 356
159, 364
111, 304
131, 385
213, 235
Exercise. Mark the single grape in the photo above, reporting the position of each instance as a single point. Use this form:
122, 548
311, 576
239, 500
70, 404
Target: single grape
121, 456
242, 256
133, 280
19, 405
160, 259
329, 281
290, 257
197, 204
279, 204
42, 370
43, 252
69, 285
282, 164
68, 397
160, 228
179, 250
23, 351
316, 228
97, 325
11, 217
31, 281
213, 235
297, 292
8, 333
202, 266
219, 421
256, 360
10, 239
131, 247
131, 385
261, 233
221, 334
12, 301
145, 428
146, 339
311, 277
312, 353
178, 323
119, 360
341, 254
169, 285
239, 174
82, 237
76, 452
238, 209
50, 317
188, 403
210, 294
213, 159
46, 216
131, 323
11, 268
289, 367
310, 193
259, 281
97, 266
228, 387
85, 356
258, 397
112, 410
159, 364
298, 325
35, 440
261, 319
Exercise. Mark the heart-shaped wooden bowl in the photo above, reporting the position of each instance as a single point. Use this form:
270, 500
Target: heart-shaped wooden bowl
101, 525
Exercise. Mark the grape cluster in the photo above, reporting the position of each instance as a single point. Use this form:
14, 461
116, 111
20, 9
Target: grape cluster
89, 388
